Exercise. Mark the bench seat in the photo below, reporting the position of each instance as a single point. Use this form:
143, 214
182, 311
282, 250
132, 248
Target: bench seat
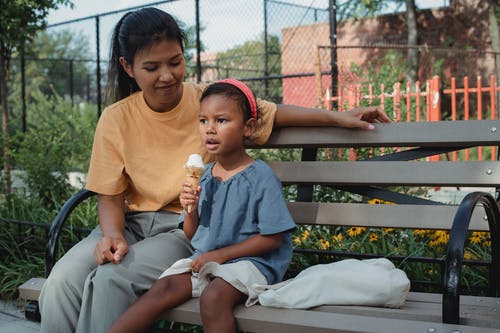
422, 313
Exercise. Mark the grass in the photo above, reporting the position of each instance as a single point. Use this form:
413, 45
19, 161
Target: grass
18, 264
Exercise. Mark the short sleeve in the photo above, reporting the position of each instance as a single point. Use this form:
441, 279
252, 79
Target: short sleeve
273, 214
106, 169
265, 123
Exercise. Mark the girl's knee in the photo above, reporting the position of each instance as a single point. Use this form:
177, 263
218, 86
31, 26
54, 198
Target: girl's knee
161, 286
209, 303
210, 297
214, 299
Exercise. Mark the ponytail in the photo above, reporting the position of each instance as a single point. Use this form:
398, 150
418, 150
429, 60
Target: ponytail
120, 84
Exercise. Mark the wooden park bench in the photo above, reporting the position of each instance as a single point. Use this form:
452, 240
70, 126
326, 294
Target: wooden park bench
406, 161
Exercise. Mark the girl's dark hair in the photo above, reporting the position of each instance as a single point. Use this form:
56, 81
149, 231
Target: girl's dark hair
135, 31
230, 91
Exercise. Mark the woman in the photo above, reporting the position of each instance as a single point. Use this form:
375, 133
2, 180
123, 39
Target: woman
140, 145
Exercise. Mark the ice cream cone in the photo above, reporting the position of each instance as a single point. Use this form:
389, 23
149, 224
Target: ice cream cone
194, 170
193, 175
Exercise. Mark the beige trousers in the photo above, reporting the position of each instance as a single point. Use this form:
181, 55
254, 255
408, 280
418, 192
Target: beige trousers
80, 296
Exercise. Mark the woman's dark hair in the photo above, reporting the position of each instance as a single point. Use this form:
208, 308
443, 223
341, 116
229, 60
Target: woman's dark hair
135, 31
232, 92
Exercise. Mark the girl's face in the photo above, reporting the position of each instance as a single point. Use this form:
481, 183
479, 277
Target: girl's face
159, 72
222, 126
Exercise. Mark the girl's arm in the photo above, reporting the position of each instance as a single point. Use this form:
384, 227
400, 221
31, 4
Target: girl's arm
362, 117
112, 247
190, 197
252, 247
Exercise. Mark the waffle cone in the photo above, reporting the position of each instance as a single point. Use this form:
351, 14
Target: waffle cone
193, 175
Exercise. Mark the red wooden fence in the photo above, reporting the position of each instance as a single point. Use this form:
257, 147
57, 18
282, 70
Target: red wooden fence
423, 102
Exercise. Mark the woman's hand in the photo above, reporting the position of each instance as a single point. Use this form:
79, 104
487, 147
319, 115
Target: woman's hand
110, 249
362, 117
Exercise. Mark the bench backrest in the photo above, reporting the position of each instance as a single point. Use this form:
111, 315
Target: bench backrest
400, 165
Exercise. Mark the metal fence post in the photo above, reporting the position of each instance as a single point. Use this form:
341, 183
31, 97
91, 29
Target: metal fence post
333, 50
266, 52
98, 69
198, 42
23, 90
71, 83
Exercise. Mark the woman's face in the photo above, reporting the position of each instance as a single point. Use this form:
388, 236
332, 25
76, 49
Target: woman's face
159, 72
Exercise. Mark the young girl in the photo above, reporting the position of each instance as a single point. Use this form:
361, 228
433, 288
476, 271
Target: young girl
242, 222
140, 145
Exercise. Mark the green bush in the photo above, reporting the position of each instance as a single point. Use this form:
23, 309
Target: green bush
58, 140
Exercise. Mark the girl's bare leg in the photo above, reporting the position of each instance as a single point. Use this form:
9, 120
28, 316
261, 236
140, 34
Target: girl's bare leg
165, 293
216, 306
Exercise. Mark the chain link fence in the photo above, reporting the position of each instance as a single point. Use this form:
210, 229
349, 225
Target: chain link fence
270, 44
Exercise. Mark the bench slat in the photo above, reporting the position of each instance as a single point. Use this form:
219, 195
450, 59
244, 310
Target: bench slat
405, 134
472, 174
386, 216
430, 312
274, 320
490, 302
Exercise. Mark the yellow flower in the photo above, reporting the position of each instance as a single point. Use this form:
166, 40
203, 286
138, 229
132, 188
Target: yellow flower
475, 238
338, 238
420, 232
433, 243
388, 230
305, 234
355, 231
487, 243
379, 201
297, 240
374, 201
439, 237
324, 244
468, 255
373, 237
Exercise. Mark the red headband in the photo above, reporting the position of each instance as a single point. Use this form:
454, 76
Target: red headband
246, 91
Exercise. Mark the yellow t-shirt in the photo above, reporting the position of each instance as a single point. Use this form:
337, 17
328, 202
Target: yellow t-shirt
142, 152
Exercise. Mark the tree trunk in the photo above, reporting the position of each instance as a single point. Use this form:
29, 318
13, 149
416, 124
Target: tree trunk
495, 42
411, 23
5, 120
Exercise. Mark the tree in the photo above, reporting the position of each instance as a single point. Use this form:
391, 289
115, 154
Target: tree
54, 62
19, 22
358, 8
411, 23
493, 19
190, 47
246, 61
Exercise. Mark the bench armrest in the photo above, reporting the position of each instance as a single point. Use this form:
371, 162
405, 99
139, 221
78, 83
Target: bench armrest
58, 223
455, 252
